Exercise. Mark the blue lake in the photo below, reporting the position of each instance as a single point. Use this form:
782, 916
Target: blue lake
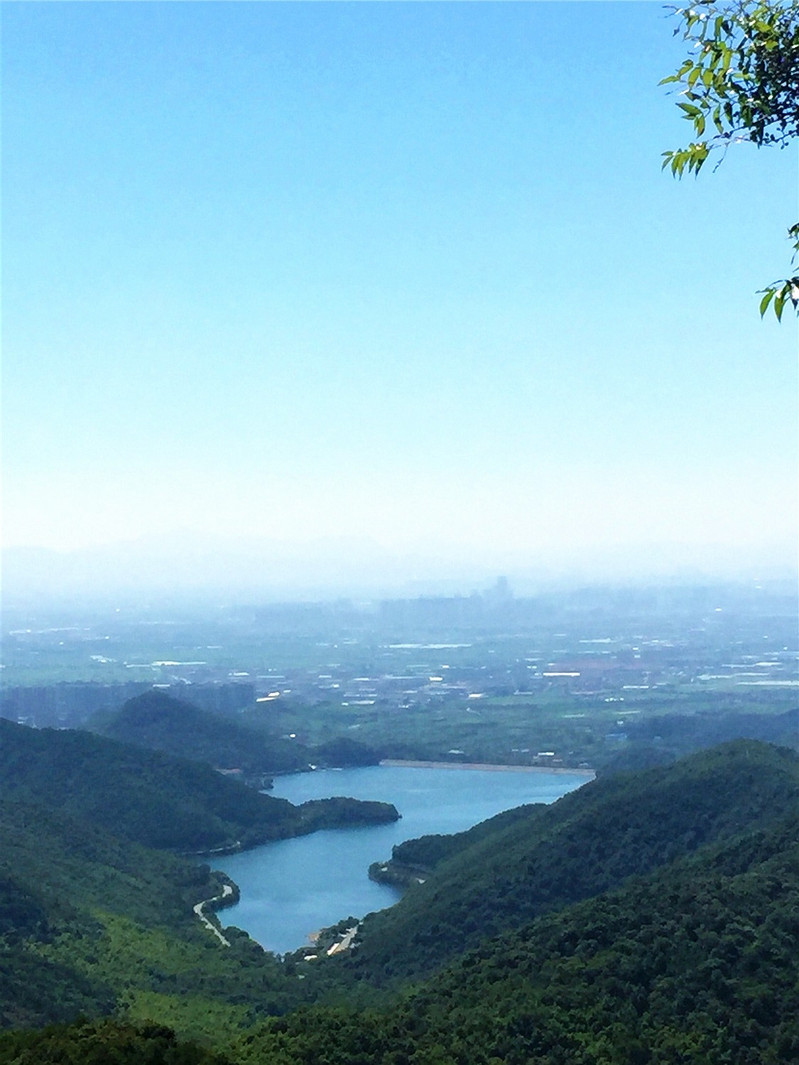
297, 886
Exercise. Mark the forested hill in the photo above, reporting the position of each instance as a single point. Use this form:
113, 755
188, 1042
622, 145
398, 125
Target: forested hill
691, 965
162, 723
96, 925
588, 842
414, 859
155, 799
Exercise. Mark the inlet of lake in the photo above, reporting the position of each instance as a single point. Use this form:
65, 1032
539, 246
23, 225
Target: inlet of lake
294, 887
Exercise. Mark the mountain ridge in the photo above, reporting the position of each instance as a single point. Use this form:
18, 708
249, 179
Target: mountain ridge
587, 842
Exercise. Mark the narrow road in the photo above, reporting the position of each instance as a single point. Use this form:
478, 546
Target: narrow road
227, 891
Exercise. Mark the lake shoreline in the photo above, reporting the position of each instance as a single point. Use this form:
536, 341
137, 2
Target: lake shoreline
308, 882
401, 763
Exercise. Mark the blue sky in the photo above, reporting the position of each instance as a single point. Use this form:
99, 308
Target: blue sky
403, 272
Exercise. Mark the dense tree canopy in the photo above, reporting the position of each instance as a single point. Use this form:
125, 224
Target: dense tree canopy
740, 82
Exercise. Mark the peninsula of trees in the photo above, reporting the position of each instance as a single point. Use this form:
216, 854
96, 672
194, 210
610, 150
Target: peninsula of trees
155, 799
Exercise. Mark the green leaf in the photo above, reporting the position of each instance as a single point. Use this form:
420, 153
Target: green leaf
767, 298
779, 303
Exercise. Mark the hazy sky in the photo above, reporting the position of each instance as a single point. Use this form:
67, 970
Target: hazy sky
401, 271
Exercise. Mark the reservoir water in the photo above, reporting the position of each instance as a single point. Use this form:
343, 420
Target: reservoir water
294, 887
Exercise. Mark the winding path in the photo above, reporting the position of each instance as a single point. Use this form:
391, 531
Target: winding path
199, 909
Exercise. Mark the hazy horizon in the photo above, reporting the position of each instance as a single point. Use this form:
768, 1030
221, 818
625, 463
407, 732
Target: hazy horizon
190, 568
401, 278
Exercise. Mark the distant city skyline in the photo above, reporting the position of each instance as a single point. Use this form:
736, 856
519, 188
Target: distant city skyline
187, 569
399, 275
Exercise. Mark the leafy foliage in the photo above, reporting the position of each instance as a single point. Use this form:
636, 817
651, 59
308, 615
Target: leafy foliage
343, 751
36, 990
740, 83
661, 739
160, 722
104, 1043
92, 921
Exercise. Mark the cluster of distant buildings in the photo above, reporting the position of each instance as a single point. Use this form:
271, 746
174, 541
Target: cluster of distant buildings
595, 644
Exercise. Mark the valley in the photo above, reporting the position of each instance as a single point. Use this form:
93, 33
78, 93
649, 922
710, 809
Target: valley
559, 923
99, 925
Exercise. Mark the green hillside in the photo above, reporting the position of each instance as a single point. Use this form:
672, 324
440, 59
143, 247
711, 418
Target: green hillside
587, 842
162, 723
414, 859
93, 924
104, 1043
650, 919
153, 798
692, 965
